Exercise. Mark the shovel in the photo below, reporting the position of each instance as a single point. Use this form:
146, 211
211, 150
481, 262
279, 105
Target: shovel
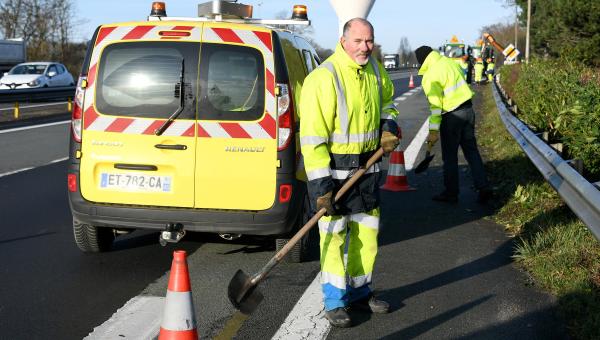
242, 290
424, 164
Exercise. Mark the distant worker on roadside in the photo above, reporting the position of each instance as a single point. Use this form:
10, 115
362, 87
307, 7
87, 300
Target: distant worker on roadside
347, 113
478, 69
490, 69
452, 120
464, 65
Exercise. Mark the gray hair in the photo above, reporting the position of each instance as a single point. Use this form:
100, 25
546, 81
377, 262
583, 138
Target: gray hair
349, 23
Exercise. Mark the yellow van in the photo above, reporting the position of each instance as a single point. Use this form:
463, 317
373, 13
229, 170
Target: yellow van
188, 124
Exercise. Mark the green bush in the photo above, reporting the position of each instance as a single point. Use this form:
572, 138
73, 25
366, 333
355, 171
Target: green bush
562, 98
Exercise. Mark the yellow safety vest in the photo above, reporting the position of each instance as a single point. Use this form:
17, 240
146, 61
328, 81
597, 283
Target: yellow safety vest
444, 85
343, 108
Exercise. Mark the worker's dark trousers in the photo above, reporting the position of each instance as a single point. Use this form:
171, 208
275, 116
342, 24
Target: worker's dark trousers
458, 129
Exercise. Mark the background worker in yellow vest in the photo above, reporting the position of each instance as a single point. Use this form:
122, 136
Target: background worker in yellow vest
478, 69
464, 65
490, 69
452, 120
347, 113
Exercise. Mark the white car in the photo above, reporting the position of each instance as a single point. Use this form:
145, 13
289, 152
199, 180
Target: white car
36, 75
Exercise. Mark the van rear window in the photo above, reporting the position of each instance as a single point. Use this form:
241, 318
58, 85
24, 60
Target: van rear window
232, 83
141, 79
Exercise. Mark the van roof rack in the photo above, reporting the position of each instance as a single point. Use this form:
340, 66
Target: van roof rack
231, 11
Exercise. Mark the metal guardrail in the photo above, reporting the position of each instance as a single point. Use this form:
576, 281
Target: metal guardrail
579, 194
47, 93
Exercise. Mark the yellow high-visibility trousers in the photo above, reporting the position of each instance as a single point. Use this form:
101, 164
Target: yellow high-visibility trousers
348, 249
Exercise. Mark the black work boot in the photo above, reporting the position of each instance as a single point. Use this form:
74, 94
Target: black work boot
338, 317
371, 304
445, 197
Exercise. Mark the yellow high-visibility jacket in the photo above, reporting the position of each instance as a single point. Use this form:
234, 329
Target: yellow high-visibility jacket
343, 109
478, 71
444, 85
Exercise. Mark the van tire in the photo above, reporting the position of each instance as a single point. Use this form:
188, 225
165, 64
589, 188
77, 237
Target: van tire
91, 239
300, 250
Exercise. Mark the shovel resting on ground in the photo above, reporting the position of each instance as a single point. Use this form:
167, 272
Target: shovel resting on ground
424, 164
242, 290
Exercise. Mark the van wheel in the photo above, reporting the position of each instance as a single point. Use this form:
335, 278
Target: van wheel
300, 250
91, 239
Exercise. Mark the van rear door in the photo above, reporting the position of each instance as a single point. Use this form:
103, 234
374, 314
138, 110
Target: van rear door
236, 154
134, 85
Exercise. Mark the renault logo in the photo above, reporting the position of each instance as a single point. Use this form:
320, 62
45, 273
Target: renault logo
244, 149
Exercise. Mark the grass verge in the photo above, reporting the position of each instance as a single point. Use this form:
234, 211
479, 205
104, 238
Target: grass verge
553, 245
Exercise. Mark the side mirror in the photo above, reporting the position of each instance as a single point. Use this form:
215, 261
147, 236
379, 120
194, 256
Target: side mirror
5, 74
51, 74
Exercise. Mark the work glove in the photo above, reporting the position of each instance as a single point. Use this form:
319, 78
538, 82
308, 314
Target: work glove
326, 201
433, 137
389, 142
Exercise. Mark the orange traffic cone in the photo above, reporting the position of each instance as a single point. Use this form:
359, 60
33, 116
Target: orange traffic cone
411, 83
179, 318
396, 174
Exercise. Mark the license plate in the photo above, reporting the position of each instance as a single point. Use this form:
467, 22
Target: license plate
135, 182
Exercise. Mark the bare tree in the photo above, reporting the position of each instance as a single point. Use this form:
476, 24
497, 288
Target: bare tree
11, 18
404, 50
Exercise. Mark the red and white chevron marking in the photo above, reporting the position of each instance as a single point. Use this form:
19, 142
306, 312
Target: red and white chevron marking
266, 128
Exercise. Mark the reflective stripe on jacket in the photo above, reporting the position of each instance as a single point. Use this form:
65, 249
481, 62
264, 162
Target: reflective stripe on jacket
343, 108
444, 85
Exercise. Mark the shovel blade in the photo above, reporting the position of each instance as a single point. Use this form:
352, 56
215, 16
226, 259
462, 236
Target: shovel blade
243, 293
424, 164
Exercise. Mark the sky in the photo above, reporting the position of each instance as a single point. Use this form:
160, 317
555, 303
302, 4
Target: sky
422, 22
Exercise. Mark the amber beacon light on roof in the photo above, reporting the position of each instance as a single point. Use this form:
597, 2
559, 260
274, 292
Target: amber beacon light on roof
229, 11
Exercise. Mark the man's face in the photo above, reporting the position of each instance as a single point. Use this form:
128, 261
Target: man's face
358, 42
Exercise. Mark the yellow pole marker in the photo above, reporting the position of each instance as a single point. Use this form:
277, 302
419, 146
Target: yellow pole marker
16, 110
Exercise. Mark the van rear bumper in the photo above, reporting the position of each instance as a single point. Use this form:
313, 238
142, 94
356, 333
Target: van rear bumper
277, 220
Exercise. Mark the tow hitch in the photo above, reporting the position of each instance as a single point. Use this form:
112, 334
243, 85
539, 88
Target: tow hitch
174, 233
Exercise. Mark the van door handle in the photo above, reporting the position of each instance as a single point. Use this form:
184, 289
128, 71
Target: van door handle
171, 146
142, 167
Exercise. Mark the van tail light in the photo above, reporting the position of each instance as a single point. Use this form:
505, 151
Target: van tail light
285, 193
285, 118
77, 114
72, 182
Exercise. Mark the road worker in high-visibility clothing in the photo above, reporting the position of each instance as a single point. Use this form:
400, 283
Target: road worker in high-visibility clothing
478, 69
452, 120
464, 65
346, 114
490, 69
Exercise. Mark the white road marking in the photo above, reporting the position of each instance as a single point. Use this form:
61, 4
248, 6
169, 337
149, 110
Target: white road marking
139, 318
411, 152
30, 168
35, 126
307, 319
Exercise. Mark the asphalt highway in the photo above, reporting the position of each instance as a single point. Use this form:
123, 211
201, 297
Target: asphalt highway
445, 269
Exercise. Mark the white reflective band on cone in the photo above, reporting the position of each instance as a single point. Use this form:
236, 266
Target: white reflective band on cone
179, 312
396, 169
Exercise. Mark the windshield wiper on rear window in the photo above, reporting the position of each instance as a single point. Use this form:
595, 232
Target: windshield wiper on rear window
181, 93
